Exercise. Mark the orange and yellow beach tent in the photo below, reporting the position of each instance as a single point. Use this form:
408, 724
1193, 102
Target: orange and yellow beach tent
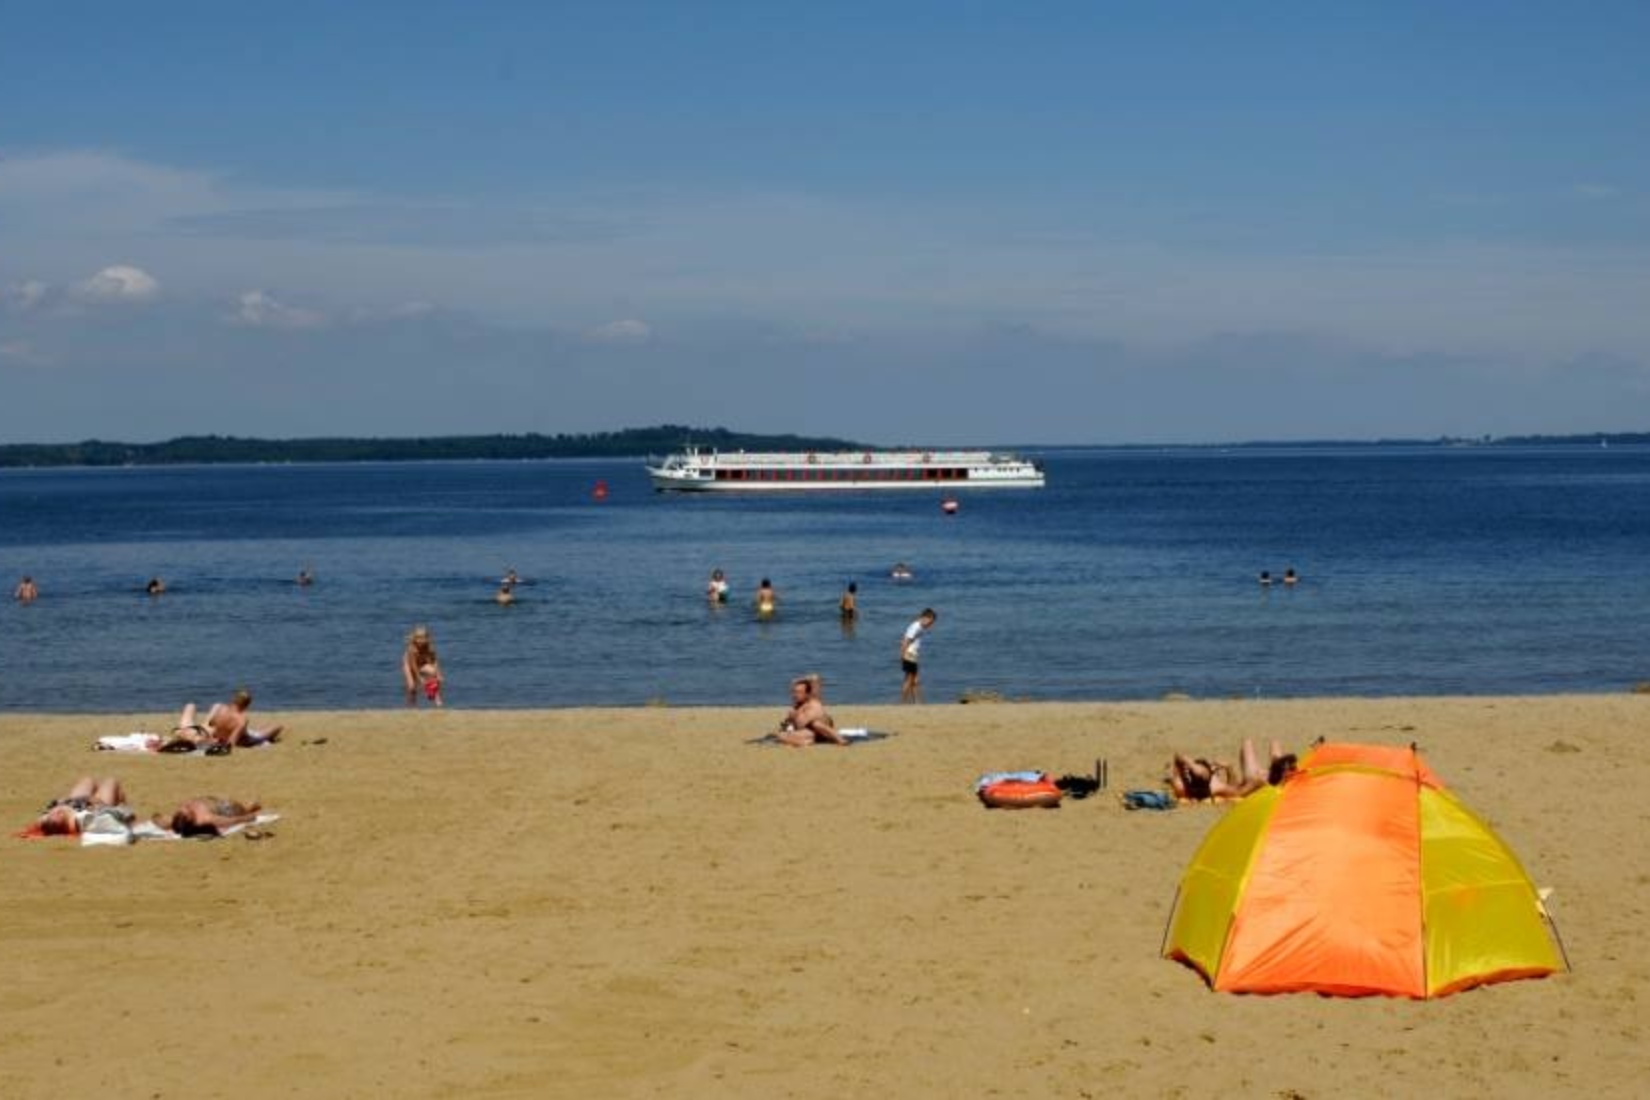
1359, 875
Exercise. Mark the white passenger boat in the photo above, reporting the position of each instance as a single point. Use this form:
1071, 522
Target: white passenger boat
694, 470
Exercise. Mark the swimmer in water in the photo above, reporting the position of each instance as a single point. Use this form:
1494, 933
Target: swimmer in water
26, 591
505, 596
848, 606
1265, 579
901, 572
305, 578
767, 600
1289, 578
155, 587
716, 589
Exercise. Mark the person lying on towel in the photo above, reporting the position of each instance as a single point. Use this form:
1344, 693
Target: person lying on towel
1195, 779
81, 805
226, 724
208, 816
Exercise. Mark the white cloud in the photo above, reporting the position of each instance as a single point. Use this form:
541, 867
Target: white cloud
23, 296
404, 310
118, 283
628, 331
1596, 191
21, 353
258, 309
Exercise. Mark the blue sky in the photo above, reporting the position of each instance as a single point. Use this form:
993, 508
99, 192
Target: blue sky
939, 223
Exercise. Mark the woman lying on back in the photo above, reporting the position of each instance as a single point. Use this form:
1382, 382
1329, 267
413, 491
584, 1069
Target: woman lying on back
69, 815
1194, 779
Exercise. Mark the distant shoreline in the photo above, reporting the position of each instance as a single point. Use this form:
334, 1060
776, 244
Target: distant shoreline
883, 709
197, 450
630, 443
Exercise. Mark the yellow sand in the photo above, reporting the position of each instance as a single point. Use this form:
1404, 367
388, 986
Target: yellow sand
635, 903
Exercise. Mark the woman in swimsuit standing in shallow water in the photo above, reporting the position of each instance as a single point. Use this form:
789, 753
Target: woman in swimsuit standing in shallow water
420, 667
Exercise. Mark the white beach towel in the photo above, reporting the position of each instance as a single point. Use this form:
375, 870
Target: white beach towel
148, 830
151, 742
129, 742
110, 825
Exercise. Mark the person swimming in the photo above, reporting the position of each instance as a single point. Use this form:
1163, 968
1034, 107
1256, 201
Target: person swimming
767, 600
901, 572
716, 589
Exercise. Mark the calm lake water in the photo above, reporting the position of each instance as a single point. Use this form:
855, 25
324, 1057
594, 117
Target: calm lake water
1133, 574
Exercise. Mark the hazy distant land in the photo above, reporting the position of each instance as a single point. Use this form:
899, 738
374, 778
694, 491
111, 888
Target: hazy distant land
216, 448
627, 442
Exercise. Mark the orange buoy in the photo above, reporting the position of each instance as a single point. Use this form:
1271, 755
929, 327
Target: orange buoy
1020, 794
600, 491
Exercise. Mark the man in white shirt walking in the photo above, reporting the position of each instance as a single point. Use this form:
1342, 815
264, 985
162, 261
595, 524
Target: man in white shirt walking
910, 653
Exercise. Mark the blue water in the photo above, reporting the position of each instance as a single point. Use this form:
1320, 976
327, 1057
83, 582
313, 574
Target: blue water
1131, 575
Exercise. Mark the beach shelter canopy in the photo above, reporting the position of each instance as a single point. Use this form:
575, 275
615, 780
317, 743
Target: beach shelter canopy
1360, 874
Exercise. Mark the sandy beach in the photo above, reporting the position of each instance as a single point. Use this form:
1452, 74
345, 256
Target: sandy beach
638, 903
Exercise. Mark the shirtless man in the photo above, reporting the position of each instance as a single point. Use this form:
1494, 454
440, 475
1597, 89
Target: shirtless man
806, 723
225, 725
26, 591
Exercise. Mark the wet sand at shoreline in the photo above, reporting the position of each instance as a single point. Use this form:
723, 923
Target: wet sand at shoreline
637, 903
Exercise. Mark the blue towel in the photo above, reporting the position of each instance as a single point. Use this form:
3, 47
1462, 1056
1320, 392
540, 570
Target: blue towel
1148, 800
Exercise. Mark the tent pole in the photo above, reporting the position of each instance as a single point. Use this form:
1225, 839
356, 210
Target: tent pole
1558, 938
1163, 947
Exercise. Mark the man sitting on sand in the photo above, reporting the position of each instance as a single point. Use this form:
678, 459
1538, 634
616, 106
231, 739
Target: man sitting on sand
1199, 780
806, 723
226, 725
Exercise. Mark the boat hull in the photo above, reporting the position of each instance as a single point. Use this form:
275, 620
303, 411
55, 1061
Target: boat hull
695, 471
668, 483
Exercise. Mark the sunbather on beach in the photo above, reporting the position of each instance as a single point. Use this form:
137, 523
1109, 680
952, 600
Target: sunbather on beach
208, 816
1195, 779
66, 816
226, 724
807, 723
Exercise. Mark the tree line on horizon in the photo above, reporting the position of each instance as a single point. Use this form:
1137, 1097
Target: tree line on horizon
625, 443
628, 442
